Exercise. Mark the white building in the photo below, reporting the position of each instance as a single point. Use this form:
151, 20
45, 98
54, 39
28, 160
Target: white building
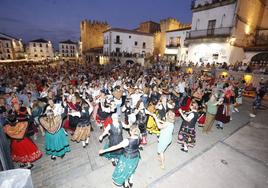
10, 48
175, 48
69, 50
40, 49
221, 29
123, 41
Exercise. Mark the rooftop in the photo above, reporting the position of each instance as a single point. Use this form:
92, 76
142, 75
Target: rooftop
181, 29
7, 36
3, 38
40, 41
128, 31
68, 42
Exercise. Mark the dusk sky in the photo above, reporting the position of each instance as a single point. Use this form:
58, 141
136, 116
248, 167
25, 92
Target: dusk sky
58, 20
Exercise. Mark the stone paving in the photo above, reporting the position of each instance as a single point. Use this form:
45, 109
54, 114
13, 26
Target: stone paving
85, 168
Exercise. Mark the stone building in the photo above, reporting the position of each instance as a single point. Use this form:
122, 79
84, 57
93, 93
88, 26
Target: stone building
10, 47
40, 49
69, 50
167, 24
148, 27
92, 34
223, 30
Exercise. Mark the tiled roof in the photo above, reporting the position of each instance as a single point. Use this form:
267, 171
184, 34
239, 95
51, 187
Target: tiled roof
68, 42
40, 40
128, 31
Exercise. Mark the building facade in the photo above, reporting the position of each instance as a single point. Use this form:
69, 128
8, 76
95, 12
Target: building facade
175, 48
40, 49
91, 34
69, 50
127, 42
222, 29
11, 48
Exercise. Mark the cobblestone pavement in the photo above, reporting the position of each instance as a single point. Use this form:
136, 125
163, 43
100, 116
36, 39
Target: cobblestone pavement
85, 168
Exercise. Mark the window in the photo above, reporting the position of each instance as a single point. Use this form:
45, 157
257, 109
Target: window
8, 56
129, 36
117, 50
62, 51
35, 55
46, 45
34, 50
66, 47
7, 45
117, 41
62, 46
211, 27
62, 55
34, 45
143, 45
136, 43
8, 51
40, 45
41, 50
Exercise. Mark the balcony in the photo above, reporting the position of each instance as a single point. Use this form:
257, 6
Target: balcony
118, 42
173, 46
209, 4
209, 33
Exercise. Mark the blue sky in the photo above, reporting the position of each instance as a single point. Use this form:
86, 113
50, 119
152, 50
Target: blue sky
58, 20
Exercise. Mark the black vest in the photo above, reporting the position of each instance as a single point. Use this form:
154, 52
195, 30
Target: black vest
192, 123
115, 136
132, 150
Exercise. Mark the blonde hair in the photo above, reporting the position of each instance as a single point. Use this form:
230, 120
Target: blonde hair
135, 130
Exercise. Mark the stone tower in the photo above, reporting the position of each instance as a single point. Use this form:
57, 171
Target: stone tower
167, 24
92, 34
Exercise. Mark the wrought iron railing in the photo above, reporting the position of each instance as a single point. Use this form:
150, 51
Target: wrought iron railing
216, 32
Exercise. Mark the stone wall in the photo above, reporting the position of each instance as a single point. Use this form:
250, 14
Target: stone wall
92, 34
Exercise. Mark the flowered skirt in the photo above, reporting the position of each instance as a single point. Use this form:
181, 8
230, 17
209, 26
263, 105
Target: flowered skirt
57, 144
152, 127
187, 135
24, 151
124, 169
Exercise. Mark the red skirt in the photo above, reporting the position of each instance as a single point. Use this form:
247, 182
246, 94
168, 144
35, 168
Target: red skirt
24, 151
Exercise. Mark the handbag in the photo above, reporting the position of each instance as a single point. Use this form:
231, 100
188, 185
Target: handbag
51, 123
18, 131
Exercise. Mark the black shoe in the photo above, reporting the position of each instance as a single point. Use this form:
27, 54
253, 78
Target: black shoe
186, 151
84, 146
62, 156
22, 165
125, 186
53, 158
30, 167
114, 163
130, 184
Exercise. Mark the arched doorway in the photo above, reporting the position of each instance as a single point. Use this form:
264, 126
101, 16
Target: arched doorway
260, 57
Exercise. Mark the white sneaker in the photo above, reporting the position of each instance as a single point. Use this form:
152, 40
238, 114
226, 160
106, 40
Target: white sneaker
252, 115
236, 109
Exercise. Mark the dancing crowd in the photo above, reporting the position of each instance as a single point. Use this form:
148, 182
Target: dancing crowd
71, 100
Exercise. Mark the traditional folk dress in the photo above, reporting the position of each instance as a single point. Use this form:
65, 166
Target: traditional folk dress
141, 120
56, 144
23, 150
187, 132
151, 124
114, 138
82, 130
128, 162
